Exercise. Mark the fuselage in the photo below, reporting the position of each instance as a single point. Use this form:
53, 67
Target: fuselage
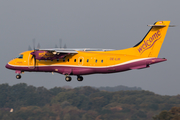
82, 63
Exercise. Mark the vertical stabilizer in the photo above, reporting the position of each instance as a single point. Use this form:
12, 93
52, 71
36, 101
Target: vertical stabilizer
151, 44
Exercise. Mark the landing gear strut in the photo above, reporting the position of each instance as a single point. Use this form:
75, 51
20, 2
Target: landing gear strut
68, 78
79, 78
18, 76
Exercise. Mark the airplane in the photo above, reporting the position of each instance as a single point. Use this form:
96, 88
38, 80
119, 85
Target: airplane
85, 61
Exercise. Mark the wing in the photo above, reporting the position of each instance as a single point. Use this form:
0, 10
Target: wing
51, 54
74, 50
59, 50
59, 53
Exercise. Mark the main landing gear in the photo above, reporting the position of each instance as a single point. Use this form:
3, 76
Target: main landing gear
68, 78
79, 78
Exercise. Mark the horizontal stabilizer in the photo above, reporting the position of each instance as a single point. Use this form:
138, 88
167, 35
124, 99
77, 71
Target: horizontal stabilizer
156, 25
161, 25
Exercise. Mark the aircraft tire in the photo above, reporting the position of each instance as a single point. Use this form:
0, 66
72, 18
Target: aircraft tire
18, 76
68, 78
80, 78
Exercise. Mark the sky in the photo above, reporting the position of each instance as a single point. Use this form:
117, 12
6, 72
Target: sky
109, 24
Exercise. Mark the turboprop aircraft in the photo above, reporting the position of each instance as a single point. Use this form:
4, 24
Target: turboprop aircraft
90, 61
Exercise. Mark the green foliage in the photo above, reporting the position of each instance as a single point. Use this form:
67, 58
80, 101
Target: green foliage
83, 103
119, 88
173, 114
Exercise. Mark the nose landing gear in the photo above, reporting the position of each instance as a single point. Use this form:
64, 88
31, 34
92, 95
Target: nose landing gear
18, 72
18, 76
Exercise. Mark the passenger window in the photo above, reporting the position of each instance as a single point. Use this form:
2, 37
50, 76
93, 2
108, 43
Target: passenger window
96, 61
57, 60
80, 60
101, 61
87, 60
74, 60
64, 60
68, 60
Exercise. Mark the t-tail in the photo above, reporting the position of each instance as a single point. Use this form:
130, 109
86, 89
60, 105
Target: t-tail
151, 44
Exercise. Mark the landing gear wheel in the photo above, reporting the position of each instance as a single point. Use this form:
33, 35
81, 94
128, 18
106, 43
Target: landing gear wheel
18, 76
79, 78
68, 78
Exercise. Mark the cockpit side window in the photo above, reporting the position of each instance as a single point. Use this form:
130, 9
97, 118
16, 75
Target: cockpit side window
20, 56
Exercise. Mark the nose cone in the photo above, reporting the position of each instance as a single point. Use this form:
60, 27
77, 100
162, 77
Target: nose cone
8, 66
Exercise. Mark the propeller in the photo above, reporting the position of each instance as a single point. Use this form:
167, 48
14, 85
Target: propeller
34, 52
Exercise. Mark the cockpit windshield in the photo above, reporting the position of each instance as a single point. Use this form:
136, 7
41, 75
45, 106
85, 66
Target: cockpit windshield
20, 56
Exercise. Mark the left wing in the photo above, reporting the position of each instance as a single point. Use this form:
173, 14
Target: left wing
59, 53
74, 50
59, 50
51, 54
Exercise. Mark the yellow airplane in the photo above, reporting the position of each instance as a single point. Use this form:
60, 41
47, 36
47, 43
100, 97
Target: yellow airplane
90, 61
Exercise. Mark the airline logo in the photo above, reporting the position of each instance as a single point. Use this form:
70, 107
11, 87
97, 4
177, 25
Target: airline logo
149, 42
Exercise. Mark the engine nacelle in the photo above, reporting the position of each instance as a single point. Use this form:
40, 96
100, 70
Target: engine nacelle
47, 55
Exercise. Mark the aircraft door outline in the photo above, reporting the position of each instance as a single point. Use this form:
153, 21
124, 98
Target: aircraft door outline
80, 60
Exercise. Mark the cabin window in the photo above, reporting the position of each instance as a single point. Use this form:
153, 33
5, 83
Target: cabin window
74, 60
101, 61
68, 60
64, 60
80, 60
96, 61
20, 56
87, 60
57, 60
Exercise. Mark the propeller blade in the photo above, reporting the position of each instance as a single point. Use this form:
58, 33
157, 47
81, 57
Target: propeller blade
65, 46
38, 46
34, 62
60, 42
29, 48
56, 46
34, 43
